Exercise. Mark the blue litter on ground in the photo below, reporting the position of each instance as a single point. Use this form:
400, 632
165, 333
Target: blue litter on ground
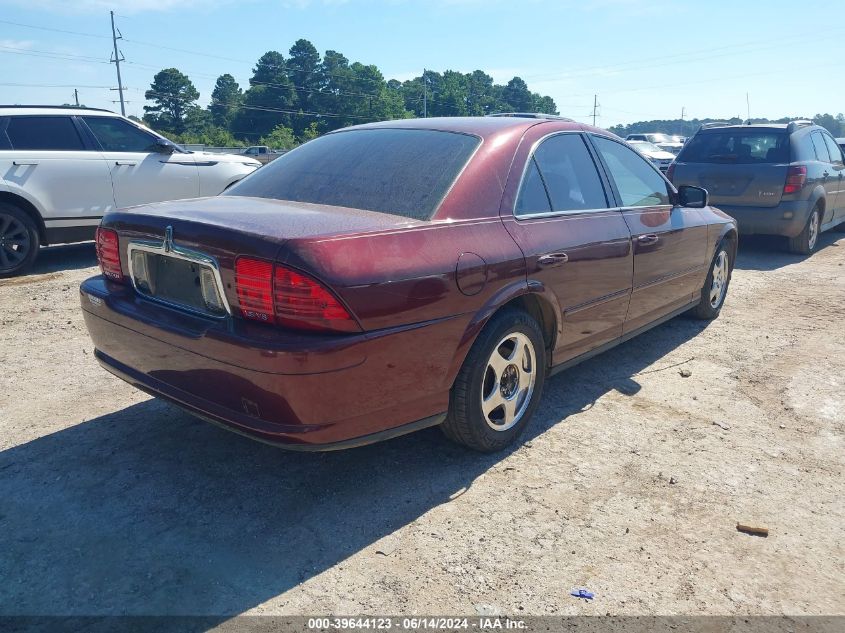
581, 593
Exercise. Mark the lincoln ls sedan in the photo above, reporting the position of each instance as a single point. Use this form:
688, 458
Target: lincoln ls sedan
393, 276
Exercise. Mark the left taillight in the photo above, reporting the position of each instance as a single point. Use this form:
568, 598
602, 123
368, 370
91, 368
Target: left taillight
108, 253
274, 293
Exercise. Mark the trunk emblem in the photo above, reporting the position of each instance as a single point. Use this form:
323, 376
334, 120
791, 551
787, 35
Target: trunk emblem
168, 239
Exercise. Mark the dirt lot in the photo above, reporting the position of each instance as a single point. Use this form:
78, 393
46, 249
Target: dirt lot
630, 482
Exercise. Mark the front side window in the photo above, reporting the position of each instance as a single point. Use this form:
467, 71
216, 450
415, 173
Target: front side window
46, 133
638, 183
403, 172
116, 135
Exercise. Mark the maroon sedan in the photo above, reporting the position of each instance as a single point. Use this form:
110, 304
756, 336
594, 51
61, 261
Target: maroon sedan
393, 276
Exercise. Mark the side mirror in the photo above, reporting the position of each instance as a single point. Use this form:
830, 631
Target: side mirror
163, 146
693, 197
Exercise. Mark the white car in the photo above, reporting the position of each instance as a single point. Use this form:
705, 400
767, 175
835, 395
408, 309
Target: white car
660, 157
663, 141
62, 168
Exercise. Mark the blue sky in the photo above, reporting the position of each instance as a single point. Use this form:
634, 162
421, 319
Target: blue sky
645, 59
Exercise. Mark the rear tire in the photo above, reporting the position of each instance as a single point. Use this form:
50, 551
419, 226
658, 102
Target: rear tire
805, 243
18, 241
499, 385
715, 287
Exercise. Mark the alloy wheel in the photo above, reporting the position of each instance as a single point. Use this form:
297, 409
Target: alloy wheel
813, 233
509, 381
15, 243
719, 285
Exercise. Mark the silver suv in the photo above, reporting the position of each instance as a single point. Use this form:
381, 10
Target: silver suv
786, 179
62, 168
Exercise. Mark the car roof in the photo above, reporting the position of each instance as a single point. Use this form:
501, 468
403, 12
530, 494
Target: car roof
482, 126
20, 110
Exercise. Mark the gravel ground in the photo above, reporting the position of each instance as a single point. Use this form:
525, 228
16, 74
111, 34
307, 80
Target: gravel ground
630, 482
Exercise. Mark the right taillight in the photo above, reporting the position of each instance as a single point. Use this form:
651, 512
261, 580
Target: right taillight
796, 176
108, 253
275, 293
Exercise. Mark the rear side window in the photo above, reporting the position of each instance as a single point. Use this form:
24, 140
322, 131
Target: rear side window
737, 147
532, 196
116, 135
638, 183
398, 171
833, 149
43, 133
820, 147
570, 174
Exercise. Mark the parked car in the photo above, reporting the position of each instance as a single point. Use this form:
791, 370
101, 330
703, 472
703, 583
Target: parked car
660, 157
398, 275
262, 153
62, 168
841, 143
778, 179
663, 141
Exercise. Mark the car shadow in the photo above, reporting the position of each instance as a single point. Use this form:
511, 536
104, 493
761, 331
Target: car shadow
148, 510
64, 257
769, 252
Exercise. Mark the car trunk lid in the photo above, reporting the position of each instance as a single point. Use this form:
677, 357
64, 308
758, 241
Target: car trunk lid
183, 252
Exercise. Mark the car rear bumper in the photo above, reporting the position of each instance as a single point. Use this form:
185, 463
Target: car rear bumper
787, 218
304, 392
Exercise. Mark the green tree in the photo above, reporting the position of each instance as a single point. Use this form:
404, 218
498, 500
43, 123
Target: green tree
173, 95
304, 73
517, 97
226, 99
310, 133
280, 137
268, 102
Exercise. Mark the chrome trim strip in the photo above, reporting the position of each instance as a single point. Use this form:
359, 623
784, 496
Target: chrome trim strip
168, 249
593, 303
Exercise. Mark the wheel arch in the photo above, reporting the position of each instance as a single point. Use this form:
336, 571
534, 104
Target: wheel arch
530, 297
30, 209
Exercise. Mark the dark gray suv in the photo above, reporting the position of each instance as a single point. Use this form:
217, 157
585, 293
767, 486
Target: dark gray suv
784, 179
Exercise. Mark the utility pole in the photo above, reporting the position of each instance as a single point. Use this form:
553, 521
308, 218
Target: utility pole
748, 107
595, 107
683, 112
76, 96
425, 95
118, 57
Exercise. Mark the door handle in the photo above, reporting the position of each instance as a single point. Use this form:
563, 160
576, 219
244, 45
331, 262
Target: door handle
648, 240
127, 163
552, 259
24, 162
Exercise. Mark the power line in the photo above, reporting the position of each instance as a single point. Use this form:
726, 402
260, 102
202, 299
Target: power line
45, 28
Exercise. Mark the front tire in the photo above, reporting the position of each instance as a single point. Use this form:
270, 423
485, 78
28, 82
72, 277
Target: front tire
18, 241
805, 243
499, 385
715, 287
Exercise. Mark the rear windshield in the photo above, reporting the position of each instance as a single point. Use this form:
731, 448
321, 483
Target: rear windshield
737, 147
401, 172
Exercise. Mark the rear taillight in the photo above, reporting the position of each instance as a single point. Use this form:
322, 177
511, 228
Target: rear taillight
275, 293
670, 172
108, 253
254, 282
796, 176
